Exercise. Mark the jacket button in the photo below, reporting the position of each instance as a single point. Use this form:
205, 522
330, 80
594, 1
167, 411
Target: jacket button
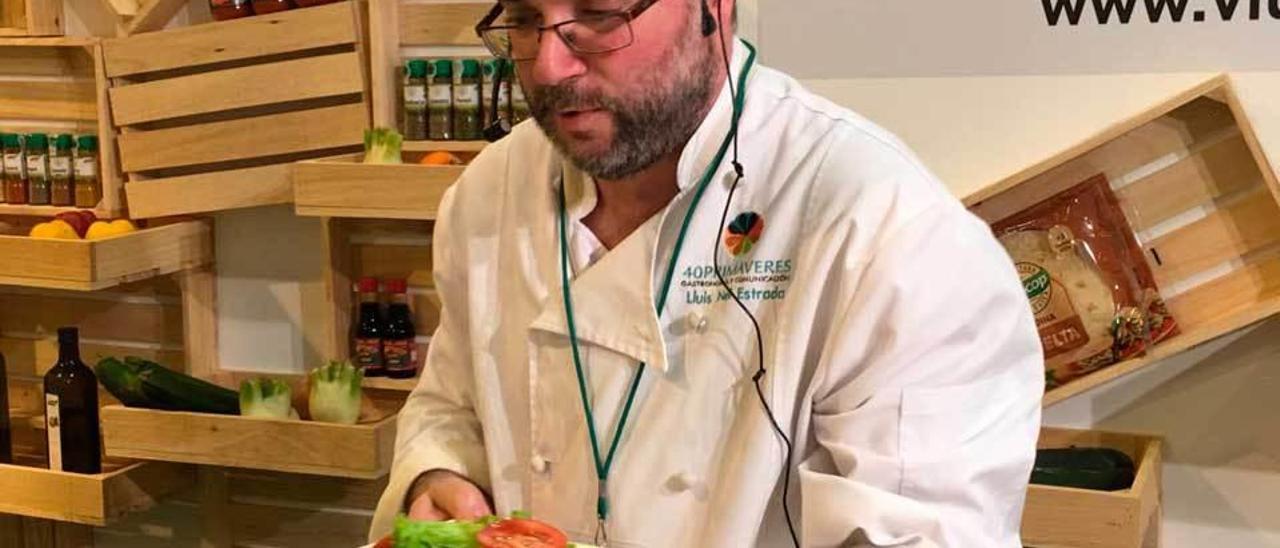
700, 324
538, 464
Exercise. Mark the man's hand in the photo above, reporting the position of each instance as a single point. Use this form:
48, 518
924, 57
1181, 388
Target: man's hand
440, 495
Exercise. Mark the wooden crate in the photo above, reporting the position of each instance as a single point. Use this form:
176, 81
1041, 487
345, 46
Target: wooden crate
1082, 518
211, 116
343, 187
31, 18
362, 450
90, 265
1200, 194
58, 85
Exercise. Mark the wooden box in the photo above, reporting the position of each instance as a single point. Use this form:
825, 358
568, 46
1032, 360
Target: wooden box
31, 18
346, 188
57, 85
1202, 199
1080, 518
212, 116
363, 450
89, 265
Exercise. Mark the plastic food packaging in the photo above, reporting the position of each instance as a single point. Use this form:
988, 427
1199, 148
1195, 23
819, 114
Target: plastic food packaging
1093, 293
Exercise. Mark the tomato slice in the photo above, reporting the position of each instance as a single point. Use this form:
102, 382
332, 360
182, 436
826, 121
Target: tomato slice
522, 533
385, 542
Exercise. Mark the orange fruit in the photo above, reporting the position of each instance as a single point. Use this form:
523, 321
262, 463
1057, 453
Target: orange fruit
440, 158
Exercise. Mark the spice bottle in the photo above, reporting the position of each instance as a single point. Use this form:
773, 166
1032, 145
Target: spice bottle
88, 186
15, 169
398, 348
224, 10
490, 72
415, 100
366, 351
38, 169
466, 102
440, 100
261, 7
62, 190
519, 105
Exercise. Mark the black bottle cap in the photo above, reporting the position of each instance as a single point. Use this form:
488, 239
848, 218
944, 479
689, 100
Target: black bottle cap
68, 335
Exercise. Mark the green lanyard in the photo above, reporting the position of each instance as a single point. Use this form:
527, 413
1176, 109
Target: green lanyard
603, 465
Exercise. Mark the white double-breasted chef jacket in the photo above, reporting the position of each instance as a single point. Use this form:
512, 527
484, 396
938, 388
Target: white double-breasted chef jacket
901, 355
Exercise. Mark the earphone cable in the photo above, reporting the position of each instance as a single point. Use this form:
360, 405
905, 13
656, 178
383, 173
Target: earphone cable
755, 324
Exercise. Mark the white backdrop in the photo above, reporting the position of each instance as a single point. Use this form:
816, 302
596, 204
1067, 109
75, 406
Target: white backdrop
867, 38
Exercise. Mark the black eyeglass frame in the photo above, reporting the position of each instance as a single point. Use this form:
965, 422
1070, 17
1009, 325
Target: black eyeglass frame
628, 15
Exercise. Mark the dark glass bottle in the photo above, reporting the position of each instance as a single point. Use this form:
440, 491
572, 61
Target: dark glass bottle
6, 441
71, 410
398, 348
367, 348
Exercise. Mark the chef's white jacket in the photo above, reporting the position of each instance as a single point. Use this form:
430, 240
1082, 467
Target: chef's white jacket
901, 354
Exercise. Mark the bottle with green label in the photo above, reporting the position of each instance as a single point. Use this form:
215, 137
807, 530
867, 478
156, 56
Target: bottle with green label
62, 189
415, 100
519, 105
440, 100
87, 182
15, 169
467, 119
38, 184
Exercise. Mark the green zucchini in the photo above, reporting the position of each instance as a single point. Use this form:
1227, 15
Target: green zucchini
141, 383
1097, 468
121, 381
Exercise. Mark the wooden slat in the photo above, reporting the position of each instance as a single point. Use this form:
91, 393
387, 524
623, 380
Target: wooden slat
97, 319
111, 179
217, 191
288, 31
451, 146
441, 24
43, 61
44, 18
337, 288
36, 356
200, 320
260, 525
307, 490
245, 138
350, 189
1217, 171
70, 101
394, 261
153, 16
1251, 223
294, 80
92, 499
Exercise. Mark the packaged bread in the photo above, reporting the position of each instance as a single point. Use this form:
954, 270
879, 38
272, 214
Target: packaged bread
1093, 294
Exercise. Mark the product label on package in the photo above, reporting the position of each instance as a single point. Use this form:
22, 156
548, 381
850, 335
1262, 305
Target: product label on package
86, 168
398, 355
36, 166
60, 167
441, 95
13, 165
466, 96
53, 426
1061, 329
368, 354
415, 96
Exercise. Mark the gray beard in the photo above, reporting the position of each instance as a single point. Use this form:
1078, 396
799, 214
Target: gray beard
645, 130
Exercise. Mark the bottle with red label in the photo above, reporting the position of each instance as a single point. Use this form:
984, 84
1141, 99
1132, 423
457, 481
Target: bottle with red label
367, 351
398, 348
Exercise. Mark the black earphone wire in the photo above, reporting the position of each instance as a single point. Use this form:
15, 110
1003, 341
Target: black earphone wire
755, 324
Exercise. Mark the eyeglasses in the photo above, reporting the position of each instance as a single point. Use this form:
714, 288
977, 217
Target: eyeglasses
591, 34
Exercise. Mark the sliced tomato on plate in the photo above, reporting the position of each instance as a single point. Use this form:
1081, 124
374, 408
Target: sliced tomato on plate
385, 543
522, 533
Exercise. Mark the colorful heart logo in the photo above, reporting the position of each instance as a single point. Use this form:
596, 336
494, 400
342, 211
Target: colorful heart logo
743, 233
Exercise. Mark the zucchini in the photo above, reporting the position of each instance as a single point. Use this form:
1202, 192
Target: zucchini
1096, 468
141, 383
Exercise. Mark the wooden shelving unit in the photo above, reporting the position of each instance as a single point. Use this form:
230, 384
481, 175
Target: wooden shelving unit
58, 85
31, 18
343, 187
219, 117
90, 265
1195, 185
1129, 518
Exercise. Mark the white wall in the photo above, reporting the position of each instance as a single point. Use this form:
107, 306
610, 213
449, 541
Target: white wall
1217, 406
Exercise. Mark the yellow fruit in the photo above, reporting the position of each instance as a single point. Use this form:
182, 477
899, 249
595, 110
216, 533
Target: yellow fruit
98, 230
123, 226
58, 230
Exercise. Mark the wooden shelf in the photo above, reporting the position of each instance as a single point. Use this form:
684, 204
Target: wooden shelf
385, 383
50, 41
89, 499
1064, 516
90, 265
449, 146
1192, 181
46, 211
363, 450
345, 188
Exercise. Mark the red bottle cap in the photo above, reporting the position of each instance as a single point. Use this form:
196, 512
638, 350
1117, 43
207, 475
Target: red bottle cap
368, 285
396, 285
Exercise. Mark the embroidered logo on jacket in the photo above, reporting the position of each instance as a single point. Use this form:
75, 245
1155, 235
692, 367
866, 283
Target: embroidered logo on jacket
743, 233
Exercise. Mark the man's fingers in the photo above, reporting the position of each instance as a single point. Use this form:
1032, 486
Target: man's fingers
424, 509
458, 498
